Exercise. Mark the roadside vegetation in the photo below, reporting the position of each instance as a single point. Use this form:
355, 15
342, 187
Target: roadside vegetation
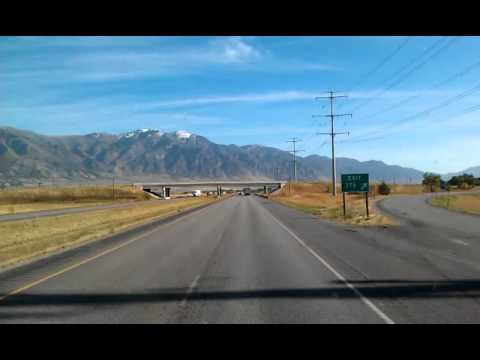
463, 182
26, 199
26, 239
316, 199
465, 203
434, 183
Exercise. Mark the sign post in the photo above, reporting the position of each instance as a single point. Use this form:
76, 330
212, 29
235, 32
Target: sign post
355, 183
366, 203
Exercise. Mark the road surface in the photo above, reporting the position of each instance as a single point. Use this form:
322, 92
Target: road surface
416, 210
248, 260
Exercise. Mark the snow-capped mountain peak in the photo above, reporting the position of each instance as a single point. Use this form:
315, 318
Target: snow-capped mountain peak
183, 134
148, 132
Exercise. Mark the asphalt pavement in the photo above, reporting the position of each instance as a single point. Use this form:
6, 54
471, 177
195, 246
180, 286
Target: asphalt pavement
248, 260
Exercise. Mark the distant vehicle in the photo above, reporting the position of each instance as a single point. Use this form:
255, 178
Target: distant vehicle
246, 191
196, 193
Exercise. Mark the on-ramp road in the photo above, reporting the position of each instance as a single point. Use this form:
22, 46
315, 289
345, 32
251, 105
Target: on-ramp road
248, 260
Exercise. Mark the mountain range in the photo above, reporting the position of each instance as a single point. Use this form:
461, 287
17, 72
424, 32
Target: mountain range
475, 171
149, 154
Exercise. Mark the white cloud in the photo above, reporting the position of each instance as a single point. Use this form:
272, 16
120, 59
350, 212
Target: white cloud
252, 97
107, 59
234, 49
114, 65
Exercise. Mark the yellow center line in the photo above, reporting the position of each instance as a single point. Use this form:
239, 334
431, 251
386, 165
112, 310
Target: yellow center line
83, 262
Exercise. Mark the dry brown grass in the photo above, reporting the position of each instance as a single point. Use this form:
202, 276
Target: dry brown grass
27, 199
40, 206
23, 240
404, 189
315, 198
25, 195
466, 203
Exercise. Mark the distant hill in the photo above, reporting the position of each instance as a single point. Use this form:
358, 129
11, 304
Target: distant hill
475, 171
147, 154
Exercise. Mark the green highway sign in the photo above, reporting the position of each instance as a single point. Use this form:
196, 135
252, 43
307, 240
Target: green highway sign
354, 182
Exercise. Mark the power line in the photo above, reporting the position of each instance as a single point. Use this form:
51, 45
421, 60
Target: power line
332, 134
402, 69
294, 152
381, 63
443, 104
442, 83
414, 68
377, 67
463, 112
313, 123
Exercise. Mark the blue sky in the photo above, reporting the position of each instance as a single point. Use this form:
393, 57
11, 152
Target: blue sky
409, 95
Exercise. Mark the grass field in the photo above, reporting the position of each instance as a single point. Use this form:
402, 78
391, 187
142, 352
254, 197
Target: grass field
27, 199
466, 203
25, 195
405, 189
315, 198
23, 240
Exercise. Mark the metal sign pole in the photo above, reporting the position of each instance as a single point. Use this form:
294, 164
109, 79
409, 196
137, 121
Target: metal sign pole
366, 203
344, 207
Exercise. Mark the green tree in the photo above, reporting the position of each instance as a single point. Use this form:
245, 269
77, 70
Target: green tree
462, 181
383, 189
432, 180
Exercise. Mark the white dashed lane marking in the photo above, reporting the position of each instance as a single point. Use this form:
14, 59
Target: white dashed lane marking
460, 242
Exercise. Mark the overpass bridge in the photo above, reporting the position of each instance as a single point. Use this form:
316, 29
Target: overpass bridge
165, 187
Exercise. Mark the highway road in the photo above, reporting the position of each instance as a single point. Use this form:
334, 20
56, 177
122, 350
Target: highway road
248, 260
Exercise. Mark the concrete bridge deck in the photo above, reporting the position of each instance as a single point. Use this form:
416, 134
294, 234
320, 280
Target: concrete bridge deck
212, 183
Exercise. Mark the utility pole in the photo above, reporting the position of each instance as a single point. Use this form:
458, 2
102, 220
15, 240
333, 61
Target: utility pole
294, 152
332, 134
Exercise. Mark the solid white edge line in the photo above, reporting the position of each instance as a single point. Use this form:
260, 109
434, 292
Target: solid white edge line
366, 301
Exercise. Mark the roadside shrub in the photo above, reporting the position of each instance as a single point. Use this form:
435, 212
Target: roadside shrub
383, 189
431, 180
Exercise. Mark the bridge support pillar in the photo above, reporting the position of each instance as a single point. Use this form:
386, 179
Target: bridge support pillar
265, 190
